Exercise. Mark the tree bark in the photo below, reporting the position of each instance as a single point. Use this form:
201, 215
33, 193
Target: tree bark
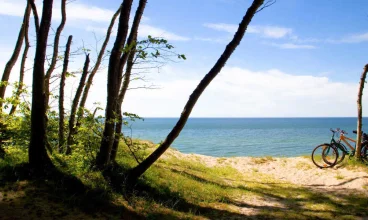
35, 16
61, 94
22, 66
126, 55
55, 53
119, 123
137, 171
359, 102
73, 112
103, 156
132, 36
38, 158
97, 66
14, 57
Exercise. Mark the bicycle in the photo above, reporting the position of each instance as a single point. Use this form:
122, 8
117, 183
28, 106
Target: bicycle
330, 158
343, 151
324, 155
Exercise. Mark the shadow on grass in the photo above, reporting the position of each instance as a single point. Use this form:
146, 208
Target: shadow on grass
55, 195
276, 200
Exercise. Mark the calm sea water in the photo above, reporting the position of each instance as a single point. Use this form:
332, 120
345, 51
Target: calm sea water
224, 137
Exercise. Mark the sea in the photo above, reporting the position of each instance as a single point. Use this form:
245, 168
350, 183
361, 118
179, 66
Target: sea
229, 137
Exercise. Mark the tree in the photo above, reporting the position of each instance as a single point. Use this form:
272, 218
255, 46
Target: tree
13, 59
38, 158
137, 171
61, 93
128, 55
55, 54
75, 103
97, 65
103, 156
359, 102
124, 88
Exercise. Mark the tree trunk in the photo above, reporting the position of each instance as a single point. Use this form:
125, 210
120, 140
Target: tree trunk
22, 66
103, 156
137, 171
38, 158
55, 53
13, 59
61, 94
73, 112
130, 43
35, 16
359, 102
119, 123
97, 66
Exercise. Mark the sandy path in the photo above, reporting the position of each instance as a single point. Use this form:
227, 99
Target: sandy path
296, 170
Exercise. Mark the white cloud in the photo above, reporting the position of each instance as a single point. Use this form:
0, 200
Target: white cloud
270, 31
145, 30
231, 28
240, 92
292, 46
75, 10
265, 31
354, 38
12, 8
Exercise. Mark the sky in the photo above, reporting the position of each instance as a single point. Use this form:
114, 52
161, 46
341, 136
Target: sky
297, 58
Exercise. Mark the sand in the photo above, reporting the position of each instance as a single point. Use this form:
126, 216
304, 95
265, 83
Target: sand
297, 170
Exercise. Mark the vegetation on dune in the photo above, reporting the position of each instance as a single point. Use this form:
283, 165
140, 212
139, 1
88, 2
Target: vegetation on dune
79, 164
172, 188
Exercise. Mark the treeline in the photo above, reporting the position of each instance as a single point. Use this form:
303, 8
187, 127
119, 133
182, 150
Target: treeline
46, 131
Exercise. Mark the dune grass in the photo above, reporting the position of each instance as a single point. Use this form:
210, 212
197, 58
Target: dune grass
174, 188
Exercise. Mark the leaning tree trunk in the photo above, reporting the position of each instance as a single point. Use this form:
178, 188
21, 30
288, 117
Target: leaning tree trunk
103, 156
61, 94
38, 158
75, 103
13, 59
96, 67
55, 53
119, 123
137, 171
359, 102
22, 67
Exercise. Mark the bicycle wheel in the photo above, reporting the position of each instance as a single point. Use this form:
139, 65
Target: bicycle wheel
340, 151
364, 153
324, 156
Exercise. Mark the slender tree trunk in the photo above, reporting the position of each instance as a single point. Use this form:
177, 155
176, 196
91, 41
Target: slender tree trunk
103, 156
359, 102
97, 66
126, 55
137, 171
22, 66
13, 59
132, 36
38, 158
61, 94
35, 16
55, 53
119, 123
73, 112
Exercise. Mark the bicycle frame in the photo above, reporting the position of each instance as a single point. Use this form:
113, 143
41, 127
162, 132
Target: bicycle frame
341, 146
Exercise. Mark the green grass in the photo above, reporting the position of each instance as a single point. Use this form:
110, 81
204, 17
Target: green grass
174, 188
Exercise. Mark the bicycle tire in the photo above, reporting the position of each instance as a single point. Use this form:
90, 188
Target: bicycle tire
341, 153
329, 158
364, 153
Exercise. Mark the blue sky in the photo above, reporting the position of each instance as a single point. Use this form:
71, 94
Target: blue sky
297, 59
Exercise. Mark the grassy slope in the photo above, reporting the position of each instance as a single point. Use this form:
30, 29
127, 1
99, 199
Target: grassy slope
173, 188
